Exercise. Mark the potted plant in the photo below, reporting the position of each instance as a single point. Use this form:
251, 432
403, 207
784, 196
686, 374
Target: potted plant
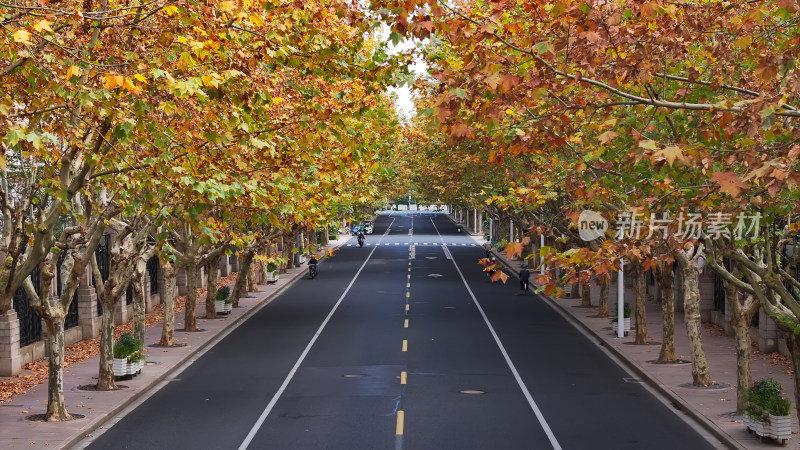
223, 292
272, 272
128, 355
626, 318
768, 411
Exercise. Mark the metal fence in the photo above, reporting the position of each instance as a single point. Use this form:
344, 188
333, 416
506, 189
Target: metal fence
30, 324
152, 270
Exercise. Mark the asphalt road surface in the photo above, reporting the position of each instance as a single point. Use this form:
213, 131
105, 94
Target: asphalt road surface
404, 344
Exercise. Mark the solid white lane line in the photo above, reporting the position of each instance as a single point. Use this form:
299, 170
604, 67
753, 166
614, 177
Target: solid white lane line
531, 402
292, 372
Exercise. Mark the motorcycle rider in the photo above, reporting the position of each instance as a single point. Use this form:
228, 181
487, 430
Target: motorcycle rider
312, 263
361, 238
524, 276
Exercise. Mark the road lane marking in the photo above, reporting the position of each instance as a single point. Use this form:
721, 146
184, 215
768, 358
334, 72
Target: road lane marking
400, 422
526, 393
405, 345
406, 306
405, 324
403, 377
249, 438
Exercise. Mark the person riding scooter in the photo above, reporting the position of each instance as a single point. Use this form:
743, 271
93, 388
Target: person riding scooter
360, 238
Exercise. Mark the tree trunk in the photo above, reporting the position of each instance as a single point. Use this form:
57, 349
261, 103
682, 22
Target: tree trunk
602, 311
56, 408
105, 376
168, 330
245, 262
251, 278
138, 306
586, 294
190, 310
211, 281
743, 360
665, 277
640, 288
742, 310
691, 299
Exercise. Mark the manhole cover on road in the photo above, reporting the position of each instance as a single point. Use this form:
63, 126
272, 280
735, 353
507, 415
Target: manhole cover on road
472, 392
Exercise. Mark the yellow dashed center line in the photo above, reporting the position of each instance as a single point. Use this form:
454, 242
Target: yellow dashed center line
400, 420
405, 345
406, 306
405, 324
403, 377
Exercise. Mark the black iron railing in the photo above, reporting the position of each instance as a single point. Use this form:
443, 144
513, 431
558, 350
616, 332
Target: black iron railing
30, 324
152, 271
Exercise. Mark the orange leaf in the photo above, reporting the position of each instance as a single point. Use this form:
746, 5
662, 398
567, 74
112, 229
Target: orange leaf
728, 182
499, 275
512, 249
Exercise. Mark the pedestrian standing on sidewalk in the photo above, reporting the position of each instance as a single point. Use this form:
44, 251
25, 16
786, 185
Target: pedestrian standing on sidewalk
524, 276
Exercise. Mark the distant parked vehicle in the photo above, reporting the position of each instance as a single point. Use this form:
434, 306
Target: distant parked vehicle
368, 227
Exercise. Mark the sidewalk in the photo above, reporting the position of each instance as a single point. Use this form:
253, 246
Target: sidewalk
712, 408
17, 432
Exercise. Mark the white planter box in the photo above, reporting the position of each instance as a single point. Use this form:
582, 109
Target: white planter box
120, 367
219, 306
135, 367
272, 276
780, 427
626, 325
228, 307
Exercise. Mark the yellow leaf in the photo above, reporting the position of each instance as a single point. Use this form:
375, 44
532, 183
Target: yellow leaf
3, 162
607, 137
277, 100
22, 36
257, 20
130, 87
226, 6
648, 144
171, 10
43, 25
671, 153
110, 82
140, 77
73, 71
